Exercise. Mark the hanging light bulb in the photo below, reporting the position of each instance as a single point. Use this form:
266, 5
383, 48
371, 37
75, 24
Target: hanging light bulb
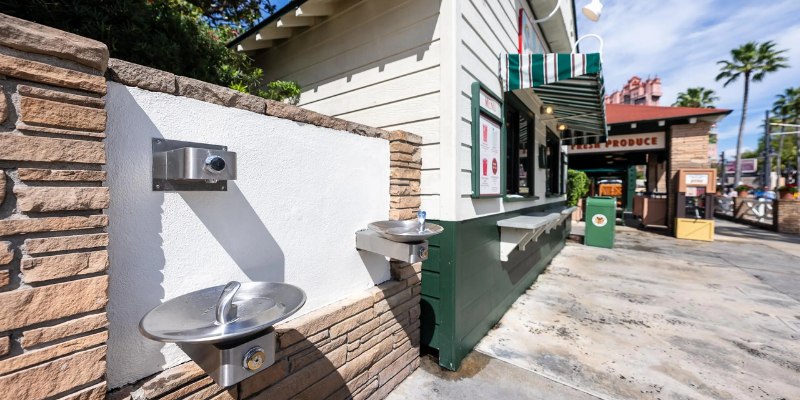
562, 127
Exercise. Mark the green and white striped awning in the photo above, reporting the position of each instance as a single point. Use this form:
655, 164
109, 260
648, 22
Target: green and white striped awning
571, 83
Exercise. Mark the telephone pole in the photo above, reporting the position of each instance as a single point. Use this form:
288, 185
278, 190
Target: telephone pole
767, 152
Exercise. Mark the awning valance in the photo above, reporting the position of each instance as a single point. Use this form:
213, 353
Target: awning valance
571, 83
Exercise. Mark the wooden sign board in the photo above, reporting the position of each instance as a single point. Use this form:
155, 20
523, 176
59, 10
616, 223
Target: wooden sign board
694, 178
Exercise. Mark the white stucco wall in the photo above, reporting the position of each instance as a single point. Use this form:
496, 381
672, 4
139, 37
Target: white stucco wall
301, 193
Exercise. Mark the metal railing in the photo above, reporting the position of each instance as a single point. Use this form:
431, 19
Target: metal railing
757, 211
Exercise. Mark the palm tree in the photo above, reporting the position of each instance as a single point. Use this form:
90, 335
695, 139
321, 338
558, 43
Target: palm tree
696, 97
753, 61
787, 108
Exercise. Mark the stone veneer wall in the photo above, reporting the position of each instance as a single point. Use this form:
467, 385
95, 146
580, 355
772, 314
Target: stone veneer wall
688, 148
53, 260
787, 216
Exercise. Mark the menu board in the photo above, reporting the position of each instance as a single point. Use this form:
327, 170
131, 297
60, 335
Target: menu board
489, 156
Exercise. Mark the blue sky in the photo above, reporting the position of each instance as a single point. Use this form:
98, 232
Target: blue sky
681, 41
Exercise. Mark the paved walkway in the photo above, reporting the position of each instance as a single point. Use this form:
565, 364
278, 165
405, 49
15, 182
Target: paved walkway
654, 318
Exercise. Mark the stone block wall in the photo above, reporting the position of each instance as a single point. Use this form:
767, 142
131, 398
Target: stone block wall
688, 148
360, 347
406, 173
53, 260
787, 216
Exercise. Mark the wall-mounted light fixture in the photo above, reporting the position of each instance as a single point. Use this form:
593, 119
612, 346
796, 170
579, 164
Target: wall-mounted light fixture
593, 10
548, 110
591, 35
562, 127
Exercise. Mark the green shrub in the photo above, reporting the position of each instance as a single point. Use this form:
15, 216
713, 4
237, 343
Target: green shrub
577, 186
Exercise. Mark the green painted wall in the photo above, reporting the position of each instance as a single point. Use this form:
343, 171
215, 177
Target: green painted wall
466, 289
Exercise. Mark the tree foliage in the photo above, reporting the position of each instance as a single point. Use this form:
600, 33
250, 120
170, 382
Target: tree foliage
751, 61
185, 37
696, 97
577, 186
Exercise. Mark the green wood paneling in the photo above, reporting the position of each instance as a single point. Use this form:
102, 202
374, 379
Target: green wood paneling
469, 289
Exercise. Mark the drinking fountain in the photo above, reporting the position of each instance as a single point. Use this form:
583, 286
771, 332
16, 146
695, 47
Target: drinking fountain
399, 240
227, 330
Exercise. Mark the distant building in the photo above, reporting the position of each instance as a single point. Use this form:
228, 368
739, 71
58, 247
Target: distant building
637, 92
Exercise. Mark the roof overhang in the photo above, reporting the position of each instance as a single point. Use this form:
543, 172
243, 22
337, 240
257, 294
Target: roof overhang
571, 83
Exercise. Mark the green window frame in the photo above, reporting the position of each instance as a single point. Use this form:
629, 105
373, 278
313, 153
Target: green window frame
488, 106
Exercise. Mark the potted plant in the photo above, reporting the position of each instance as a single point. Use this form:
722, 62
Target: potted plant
577, 188
788, 192
743, 190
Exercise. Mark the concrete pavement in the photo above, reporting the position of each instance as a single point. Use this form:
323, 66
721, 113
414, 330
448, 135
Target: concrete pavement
654, 318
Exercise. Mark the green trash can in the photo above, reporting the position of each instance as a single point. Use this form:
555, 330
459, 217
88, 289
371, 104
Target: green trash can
601, 218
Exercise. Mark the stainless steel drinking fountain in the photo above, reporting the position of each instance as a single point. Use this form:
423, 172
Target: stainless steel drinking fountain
189, 166
399, 240
227, 330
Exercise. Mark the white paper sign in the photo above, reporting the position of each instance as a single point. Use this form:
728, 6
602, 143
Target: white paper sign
489, 163
696, 179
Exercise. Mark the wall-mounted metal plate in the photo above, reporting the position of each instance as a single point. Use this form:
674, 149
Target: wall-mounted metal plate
190, 166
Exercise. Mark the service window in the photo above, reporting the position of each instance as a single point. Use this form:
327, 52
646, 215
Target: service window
519, 124
554, 184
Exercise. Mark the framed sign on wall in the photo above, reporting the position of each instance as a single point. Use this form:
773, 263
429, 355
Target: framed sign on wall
488, 143
528, 39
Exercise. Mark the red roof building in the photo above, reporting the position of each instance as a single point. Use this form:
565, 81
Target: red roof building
628, 113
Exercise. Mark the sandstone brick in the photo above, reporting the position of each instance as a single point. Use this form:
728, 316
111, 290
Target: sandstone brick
35, 337
404, 214
57, 376
316, 339
5, 343
398, 202
405, 173
367, 390
3, 106
64, 265
220, 95
62, 243
2, 186
47, 112
403, 157
351, 323
386, 388
334, 350
264, 379
322, 389
403, 164
353, 346
52, 224
55, 95
67, 175
376, 338
231, 393
147, 78
362, 330
403, 136
294, 113
390, 359
322, 318
27, 148
399, 311
294, 383
35, 71
57, 131
26, 306
406, 359
359, 381
363, 361
96, 392
414, 312
399, 147
368, 131
35, 38
187, 390
6, 253
46, 199
410, 190
387, 289
5, 278
401, 270
34, 357
168, 380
